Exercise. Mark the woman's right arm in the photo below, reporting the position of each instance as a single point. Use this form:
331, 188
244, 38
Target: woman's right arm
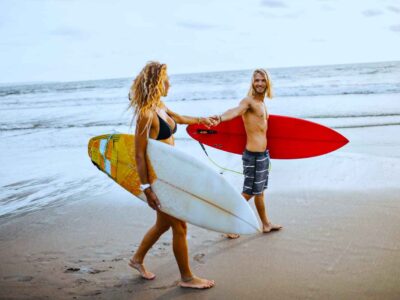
141, 139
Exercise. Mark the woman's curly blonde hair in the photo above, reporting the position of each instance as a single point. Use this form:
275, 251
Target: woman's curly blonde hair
147, 88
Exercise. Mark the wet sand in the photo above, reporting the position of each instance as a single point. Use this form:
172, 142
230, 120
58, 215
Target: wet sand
335, 245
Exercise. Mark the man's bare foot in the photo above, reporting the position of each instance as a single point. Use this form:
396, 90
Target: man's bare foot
197, 283
142, 270
271, 227
232, 236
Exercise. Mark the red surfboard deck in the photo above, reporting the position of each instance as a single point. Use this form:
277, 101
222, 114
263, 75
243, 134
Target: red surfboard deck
287, 137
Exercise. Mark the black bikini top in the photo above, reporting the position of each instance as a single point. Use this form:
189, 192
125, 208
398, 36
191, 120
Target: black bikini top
165, 130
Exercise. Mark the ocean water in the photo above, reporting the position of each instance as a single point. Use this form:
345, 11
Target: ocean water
45, 127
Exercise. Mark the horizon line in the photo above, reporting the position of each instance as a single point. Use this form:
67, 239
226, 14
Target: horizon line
191, 73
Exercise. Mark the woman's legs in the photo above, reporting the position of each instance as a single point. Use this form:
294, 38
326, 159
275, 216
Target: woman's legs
180, 247
149, 239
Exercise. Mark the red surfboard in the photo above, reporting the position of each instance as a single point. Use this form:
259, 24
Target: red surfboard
287, 137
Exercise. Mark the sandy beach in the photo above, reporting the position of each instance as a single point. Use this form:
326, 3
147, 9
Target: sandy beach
334, 246
67, 231
337, 243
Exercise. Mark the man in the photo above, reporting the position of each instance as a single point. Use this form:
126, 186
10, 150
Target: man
256, 159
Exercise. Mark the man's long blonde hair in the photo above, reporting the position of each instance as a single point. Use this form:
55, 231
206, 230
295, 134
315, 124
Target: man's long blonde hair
268, 90
147, 88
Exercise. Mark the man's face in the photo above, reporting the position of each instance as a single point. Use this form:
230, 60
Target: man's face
259, 83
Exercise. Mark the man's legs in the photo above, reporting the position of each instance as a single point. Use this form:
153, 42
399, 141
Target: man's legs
260, 205
234, 235
247, 196
267, 226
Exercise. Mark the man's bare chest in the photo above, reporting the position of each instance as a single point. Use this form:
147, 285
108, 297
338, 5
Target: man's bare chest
258, 111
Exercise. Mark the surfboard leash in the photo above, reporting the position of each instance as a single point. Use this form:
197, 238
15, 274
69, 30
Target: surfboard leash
217, 165
223, 168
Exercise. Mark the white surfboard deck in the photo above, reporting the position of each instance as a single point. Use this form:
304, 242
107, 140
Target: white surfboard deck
190, 190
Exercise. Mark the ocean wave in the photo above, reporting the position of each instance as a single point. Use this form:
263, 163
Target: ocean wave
77, 102
23, 197
373, 78
67, 87
335, 89
366, 125
351, 115
36, 126
57, 124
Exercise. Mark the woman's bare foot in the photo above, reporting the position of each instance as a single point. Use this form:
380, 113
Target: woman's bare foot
197, 283
232, 236
142, 270
271, 227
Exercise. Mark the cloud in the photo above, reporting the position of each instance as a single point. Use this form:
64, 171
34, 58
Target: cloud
294, 15
69, 32
326, 7
394, 9
196, 25
273, 3
395, 28
317, 40
372, 12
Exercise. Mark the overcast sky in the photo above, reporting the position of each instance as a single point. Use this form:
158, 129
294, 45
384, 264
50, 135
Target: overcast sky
64, 40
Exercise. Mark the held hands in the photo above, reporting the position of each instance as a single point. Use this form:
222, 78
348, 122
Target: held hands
152, 199
216, 119
208, 121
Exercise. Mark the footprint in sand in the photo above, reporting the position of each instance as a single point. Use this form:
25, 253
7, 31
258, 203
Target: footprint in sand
93, 293
72, 270
81, 281
45, 259
164, 287
81, 270
52, 253
19, 278
92, 271
117, 259
199, 258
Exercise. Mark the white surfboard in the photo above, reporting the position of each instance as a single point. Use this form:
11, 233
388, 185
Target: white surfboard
187, 188
192, 191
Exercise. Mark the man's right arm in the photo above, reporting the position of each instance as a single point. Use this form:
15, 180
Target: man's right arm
232, 113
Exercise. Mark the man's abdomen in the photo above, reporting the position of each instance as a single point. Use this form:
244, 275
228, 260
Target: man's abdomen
256, 142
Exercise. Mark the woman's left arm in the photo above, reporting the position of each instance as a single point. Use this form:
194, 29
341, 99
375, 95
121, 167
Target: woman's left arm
188, 119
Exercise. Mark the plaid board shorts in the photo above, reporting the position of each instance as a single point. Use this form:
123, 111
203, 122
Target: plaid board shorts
255, 171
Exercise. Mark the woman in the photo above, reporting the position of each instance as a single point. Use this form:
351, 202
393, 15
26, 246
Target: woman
154, 120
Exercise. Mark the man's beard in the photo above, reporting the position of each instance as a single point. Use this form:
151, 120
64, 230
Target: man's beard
258, 93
